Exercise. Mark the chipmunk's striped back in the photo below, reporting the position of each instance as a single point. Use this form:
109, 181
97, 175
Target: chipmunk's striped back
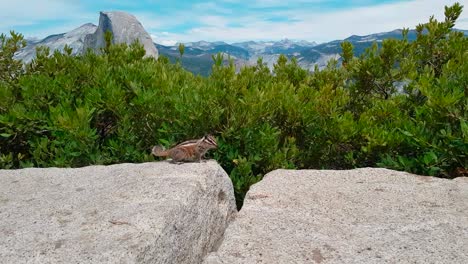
191, 150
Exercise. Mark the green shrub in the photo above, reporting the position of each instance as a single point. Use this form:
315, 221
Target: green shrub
403, 105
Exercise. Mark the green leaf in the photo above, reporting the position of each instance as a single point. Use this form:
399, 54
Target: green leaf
406, 133
464, 129
164, 142
5, 135
429, 158
434, 171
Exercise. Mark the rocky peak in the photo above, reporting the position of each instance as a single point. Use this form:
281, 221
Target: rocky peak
125, 28
74, 39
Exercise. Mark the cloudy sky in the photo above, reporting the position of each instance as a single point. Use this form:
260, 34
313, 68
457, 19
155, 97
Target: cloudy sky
170, 21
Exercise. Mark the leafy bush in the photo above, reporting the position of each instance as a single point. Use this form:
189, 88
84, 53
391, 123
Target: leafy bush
401, 105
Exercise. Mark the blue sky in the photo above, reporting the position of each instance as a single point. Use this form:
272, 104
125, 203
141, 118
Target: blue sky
229, 20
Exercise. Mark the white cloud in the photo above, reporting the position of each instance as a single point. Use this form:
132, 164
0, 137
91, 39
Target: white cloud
150, 21
38, 9
31, 14
213, 21
367, 20
211, 7
319, 27
165, 40
168, 42
275, 3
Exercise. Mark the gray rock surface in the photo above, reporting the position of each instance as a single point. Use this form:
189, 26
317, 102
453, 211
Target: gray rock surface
74, 39
356, 216
125, 28
128, 213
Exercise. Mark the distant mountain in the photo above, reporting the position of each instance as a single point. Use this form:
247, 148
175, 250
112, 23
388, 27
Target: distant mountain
124, 27
308, 54
74, 39
284, 46
195, 60
197, 57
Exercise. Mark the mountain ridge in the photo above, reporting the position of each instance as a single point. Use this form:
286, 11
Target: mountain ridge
308, 56
197, 57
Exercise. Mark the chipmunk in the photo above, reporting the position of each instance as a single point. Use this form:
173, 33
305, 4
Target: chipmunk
188, 151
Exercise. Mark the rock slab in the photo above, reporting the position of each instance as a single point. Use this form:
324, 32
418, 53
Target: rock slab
128, 213
357, 216
125, 28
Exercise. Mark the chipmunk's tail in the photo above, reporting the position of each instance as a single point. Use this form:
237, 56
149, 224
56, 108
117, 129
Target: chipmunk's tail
159, 151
